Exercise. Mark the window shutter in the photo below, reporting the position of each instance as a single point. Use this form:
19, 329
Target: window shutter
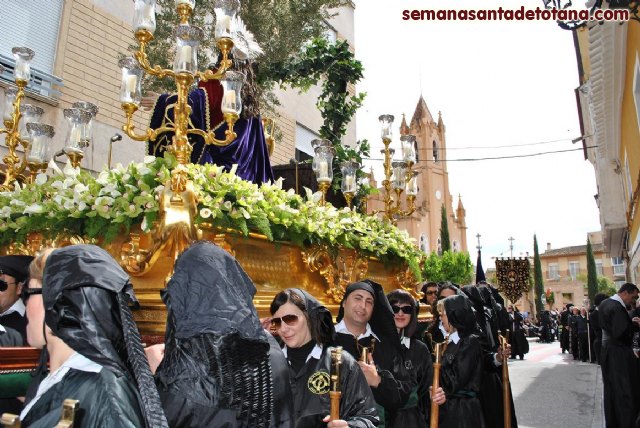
33, 24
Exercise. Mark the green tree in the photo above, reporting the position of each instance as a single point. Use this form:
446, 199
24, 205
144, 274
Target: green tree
445, 241
450, 266
537, 276
592, 274
606, 286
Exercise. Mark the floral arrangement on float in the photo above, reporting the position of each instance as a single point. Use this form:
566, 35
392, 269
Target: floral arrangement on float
73, 202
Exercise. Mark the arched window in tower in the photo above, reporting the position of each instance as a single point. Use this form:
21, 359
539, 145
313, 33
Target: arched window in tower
424, 243
415, 149
455, 246
435, 151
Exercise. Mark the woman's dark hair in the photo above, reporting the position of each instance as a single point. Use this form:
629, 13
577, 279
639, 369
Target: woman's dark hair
319, 333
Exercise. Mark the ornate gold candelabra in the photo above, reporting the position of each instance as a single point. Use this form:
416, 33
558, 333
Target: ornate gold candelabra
399, 175
184, 73
21, 127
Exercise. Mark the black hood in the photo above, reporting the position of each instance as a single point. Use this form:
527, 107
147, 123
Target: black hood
80, 294
320, 319
210, 293
460, 314
402, 296
86, 296
15, 266
381, 322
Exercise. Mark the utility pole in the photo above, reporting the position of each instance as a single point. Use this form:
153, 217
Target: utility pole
511, 239
479, 247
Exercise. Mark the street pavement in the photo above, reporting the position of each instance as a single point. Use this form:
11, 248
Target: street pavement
550, 389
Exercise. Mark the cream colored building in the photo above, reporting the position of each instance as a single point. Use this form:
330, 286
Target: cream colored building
564, 272
433, 183
77, 45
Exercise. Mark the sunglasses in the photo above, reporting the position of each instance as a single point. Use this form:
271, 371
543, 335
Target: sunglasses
4, 284
289, 320
28, 292
404, 309
431, 293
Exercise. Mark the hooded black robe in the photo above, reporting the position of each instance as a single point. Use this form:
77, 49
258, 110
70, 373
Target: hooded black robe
86, 296
460, 373
396, 384
216, 370
619, 366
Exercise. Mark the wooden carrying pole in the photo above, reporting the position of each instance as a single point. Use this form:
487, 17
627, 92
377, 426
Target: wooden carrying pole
506, 396
335, 393
435, 408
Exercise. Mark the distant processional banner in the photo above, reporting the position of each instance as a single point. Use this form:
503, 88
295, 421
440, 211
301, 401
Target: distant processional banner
513, 277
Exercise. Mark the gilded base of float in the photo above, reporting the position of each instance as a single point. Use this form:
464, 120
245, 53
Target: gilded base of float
273, 266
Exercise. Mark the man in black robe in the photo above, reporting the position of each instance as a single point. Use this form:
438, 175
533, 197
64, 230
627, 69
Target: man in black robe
366, 326
594, 319
14, 271
565, 339
619, 365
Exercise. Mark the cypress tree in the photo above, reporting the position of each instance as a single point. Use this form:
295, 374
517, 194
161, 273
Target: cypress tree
537, 276
592, 274
445, 241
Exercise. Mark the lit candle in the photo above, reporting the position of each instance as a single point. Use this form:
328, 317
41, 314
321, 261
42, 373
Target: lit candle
184, 58
229, 102
75, 137
323, 171
350, 183
407, 152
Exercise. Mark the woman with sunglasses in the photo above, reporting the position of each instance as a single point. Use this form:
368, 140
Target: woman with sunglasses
461, 370
78, 311
417, 362
306, 328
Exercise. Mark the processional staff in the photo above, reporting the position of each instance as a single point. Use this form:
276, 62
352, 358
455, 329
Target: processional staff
506, 397
335, 393
435, 408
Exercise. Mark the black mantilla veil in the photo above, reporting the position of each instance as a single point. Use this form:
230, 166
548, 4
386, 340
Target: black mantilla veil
216, 364
86, 296
460, 315
382, 321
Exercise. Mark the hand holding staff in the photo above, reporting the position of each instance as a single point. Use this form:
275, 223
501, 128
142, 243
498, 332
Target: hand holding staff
435, 408
335, 393
506, 397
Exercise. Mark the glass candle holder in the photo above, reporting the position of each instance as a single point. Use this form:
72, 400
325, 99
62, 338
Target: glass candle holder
231, 99
23, 57
324, 163
87, 130
408, 143
144, 15
349, 170
30, 113
187, 42
78, 118
399, 179
226, 11
412, 184
9, 98
318, 142
40, 147
386, 120
131, 80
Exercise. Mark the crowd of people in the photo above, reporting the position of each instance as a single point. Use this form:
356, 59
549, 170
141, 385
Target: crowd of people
222, 366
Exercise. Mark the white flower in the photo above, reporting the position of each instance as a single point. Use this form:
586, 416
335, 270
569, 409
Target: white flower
33, 209
70, 171
149, 159
41, 179
234, 168
205, 213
